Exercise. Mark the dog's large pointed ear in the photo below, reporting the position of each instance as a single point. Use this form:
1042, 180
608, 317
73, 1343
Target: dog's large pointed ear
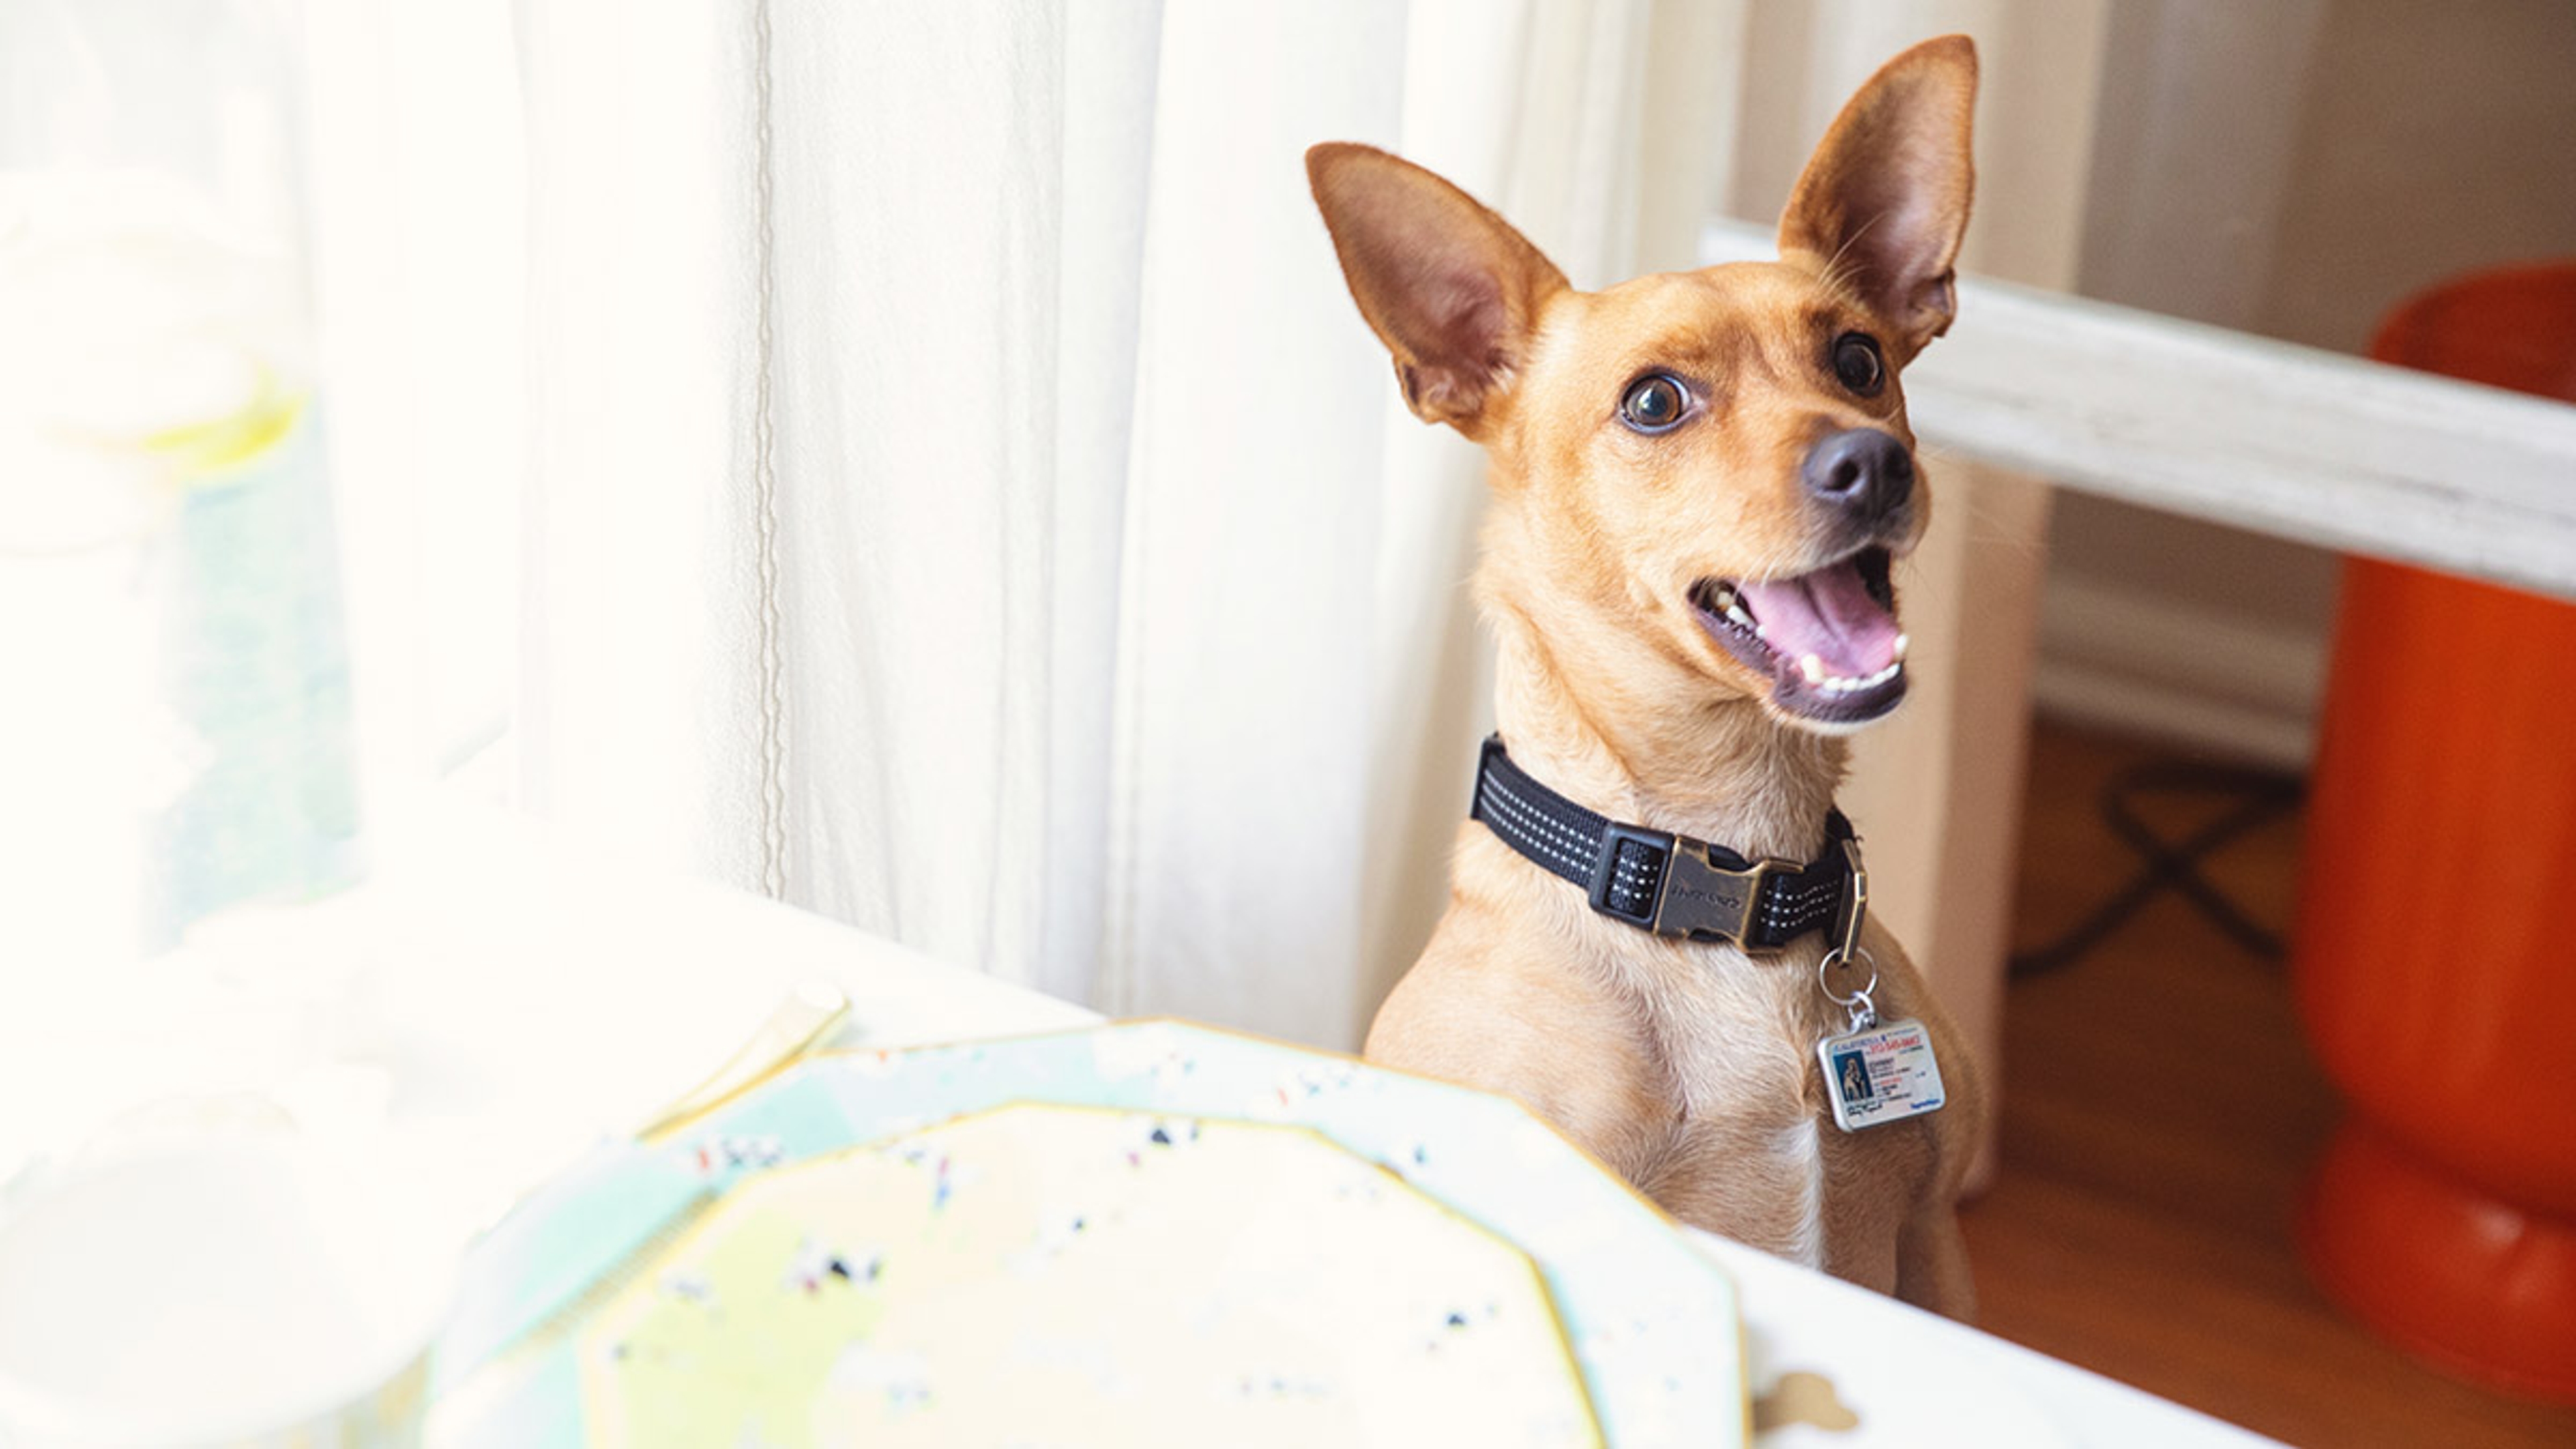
1884, 200
1448, 286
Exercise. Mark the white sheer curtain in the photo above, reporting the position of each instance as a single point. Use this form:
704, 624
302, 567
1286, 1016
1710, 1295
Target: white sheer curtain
918, 459
934, 464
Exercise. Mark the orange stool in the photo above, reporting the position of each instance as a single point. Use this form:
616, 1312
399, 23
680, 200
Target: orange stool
2436, 947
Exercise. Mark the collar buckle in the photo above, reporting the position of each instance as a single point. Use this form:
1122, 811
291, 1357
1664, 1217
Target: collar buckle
1702, 899
1667, 884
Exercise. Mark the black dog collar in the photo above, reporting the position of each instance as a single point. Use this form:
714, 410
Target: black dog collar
1670, 884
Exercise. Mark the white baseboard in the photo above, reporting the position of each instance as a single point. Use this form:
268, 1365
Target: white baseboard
2209, 681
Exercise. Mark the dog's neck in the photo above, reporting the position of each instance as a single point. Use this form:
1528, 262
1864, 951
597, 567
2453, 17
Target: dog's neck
1608, 719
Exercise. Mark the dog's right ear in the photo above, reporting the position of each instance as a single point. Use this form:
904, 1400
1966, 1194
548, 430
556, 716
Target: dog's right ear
1448, 286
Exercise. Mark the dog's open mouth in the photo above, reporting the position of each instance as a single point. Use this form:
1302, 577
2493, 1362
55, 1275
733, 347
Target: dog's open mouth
1827, 639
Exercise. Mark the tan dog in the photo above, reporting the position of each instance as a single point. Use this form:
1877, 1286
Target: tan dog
1699, 482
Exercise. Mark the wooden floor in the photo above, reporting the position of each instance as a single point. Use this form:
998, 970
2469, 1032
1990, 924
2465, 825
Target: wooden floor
2159, 1110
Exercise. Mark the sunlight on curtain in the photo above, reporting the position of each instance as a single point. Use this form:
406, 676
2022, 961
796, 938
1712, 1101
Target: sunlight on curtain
952, 489
919, 459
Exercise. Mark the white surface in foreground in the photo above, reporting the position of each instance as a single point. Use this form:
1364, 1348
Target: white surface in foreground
1923, 1382
486, 1007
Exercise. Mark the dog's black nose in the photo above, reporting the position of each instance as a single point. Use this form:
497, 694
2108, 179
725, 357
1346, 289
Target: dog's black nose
1861, 469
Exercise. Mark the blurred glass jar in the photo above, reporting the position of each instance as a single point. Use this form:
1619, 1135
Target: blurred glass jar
171, 639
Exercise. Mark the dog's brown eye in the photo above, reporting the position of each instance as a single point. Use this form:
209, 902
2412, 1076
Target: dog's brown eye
1857, 363
1653, 404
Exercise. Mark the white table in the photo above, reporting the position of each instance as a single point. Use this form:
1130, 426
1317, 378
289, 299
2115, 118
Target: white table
486, 1005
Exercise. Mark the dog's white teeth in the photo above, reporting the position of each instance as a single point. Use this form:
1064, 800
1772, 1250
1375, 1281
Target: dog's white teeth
1839, 685
1900, 648
1813, 668
1728, 604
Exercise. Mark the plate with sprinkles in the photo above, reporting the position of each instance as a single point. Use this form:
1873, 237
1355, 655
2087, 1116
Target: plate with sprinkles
599, 1258
1077, 1276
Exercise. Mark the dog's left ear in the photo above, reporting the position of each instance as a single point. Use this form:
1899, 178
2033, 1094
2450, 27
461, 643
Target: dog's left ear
1884, 200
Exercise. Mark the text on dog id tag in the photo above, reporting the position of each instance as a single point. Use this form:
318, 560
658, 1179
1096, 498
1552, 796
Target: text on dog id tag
1883, 1074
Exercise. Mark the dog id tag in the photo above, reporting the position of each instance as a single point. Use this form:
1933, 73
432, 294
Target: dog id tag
1882, 1074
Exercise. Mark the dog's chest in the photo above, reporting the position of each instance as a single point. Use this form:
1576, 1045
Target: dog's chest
1737, 1034
1755, 1153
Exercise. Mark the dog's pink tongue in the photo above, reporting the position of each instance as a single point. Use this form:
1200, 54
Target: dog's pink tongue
1829, 614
